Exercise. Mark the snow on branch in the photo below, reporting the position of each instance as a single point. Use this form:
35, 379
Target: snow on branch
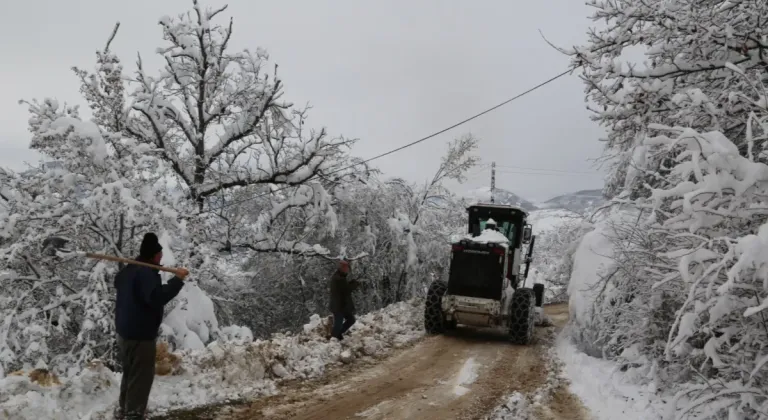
698, 63
683, 301
702, 251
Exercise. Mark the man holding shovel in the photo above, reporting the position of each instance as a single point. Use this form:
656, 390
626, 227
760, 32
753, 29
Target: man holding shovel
141, 296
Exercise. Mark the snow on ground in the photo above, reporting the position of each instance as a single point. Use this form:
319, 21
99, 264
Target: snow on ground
605, 390
514, 407
533, 404
591, 262
467, 376
600, 386
544, 220
376, 409
219, 372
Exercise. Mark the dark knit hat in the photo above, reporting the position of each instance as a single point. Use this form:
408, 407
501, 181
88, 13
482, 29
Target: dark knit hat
150, 246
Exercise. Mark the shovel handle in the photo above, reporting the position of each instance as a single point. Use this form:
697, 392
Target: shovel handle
174, 271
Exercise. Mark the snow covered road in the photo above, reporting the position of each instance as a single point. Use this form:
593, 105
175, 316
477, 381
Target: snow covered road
459, 376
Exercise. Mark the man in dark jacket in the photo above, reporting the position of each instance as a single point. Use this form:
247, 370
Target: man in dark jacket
341, 305
141, 296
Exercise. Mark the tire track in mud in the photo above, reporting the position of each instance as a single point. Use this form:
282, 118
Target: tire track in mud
462, 375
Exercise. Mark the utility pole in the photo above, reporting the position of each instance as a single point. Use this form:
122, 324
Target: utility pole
493, 181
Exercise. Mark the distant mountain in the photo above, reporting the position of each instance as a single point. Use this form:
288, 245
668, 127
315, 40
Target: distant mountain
577, 201
501, 196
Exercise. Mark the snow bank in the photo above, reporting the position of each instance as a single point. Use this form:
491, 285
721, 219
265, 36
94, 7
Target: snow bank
220, 371
91, 390
593, 262
605, 391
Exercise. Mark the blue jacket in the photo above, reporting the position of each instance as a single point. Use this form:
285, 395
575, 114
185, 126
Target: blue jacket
141, 296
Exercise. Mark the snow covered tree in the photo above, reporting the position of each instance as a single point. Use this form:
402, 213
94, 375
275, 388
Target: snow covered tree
166, 153
422, 223
98, 190
403, 231
687, 297
683, 302
218, 119
685, 80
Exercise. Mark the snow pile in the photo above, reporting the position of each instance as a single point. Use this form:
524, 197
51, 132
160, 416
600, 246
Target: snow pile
488, 236
236, 333
491, 236
608, 393
591, 261
593, 264
91, 390
192, 321
514, 407
220, 371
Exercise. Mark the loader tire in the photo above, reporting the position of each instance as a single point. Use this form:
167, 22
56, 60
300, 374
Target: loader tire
538, 291
434, 320
522, 317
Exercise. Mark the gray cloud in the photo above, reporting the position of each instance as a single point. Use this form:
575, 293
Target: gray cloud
385, 72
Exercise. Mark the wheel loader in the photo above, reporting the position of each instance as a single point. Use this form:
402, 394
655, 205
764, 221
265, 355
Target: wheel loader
485, 285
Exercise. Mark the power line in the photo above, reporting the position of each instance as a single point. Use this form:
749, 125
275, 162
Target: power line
413, 143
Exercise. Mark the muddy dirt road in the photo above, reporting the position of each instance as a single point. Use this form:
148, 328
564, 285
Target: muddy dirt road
457, 376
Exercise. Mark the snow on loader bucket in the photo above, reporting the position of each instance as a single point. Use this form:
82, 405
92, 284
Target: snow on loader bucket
484, 287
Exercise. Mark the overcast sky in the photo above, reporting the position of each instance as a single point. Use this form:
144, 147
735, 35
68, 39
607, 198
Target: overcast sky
386, 72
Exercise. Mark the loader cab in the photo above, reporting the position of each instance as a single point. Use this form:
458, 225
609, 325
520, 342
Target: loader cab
511, 221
